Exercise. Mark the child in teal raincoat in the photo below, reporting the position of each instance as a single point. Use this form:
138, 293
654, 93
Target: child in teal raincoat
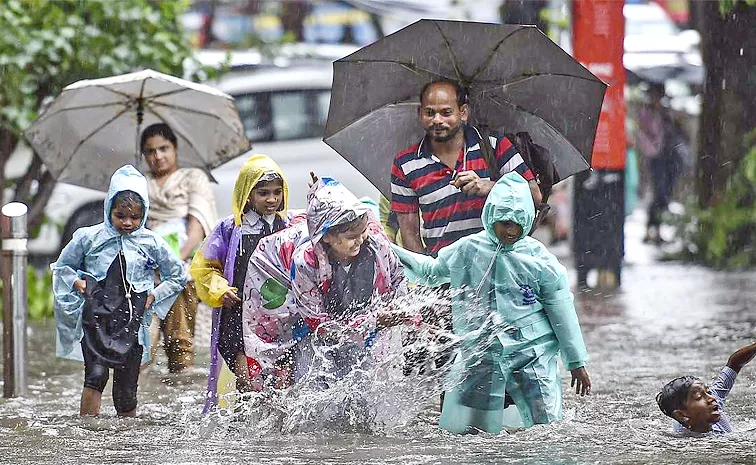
105, 293
513, 312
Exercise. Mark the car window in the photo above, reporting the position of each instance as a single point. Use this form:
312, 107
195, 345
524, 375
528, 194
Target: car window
290, 116
284, 115
322, 101
254, 111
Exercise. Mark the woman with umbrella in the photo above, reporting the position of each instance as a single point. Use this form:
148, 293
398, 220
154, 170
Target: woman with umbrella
183, 212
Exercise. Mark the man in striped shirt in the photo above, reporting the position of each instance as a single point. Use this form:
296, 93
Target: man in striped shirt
699, 408
446, 177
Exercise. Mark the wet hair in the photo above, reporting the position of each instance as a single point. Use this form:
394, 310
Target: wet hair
673, 394
126, 199
656, 90
348, 226
462, 92
158, 129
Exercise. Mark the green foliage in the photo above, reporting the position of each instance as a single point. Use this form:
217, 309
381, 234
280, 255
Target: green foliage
726, 6
39, 294
46, 45
723, 234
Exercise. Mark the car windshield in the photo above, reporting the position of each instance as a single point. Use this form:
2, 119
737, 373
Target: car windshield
284, 115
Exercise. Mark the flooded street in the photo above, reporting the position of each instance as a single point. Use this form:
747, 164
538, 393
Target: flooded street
669, 319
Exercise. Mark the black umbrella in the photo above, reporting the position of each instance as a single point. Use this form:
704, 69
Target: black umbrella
684, 72
519, 80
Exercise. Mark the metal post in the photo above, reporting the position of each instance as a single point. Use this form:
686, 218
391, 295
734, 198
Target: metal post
13, 274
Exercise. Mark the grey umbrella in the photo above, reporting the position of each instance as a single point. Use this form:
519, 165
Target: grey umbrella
519, 80
93, 127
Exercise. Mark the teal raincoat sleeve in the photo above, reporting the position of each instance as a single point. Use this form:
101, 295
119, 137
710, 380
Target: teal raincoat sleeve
426, 270
68, 302
558, 303
172, 278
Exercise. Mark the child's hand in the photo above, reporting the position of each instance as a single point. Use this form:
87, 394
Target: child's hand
80, 286
230, 299
149, 301
581, 381
313, 179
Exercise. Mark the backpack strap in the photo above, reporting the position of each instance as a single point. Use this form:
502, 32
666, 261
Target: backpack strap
488, 154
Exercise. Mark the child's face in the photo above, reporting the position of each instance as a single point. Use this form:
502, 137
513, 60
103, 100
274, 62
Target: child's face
701, 408
266, 197
126, 216
508, 232
345, 246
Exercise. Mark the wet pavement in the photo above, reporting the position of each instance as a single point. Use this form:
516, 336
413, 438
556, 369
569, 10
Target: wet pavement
667, 320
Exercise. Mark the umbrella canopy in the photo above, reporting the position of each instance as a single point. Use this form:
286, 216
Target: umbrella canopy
518, 80
684, 72
93, 127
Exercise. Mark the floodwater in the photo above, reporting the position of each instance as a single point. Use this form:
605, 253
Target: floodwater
668, 319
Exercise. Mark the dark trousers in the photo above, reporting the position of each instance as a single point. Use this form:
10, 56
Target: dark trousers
664, 170
125, 377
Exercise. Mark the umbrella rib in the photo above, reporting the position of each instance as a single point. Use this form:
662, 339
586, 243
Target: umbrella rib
451, 52
519, 108
170, 92
488, 59
188, 139
91, 134
409, 66
83, 107
190, 110
122, 94
535, 75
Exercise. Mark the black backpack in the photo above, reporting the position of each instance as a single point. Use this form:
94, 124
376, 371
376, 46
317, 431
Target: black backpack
535, 156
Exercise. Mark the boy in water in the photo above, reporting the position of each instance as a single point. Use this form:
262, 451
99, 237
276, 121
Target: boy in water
700, 408
513, 312
105, 293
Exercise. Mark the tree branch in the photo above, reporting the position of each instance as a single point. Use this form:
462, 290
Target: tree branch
24, 185
39, 201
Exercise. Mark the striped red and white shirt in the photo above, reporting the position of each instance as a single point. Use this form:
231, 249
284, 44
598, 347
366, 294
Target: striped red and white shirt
420, 181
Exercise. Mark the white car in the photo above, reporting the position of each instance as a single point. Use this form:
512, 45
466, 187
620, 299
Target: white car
653, 39
284, 111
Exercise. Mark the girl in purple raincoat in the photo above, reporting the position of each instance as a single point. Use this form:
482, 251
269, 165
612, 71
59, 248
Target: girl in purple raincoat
260, 201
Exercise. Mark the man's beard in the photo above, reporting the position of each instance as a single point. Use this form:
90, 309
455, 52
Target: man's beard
449, 135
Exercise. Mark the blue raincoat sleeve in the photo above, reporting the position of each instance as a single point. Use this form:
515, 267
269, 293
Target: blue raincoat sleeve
68, 302
172, 277
558, 303
426, 270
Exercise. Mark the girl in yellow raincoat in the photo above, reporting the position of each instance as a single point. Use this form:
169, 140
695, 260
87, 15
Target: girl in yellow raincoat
260, 202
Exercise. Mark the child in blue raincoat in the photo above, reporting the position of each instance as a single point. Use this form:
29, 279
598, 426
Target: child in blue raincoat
105, 293
513, 312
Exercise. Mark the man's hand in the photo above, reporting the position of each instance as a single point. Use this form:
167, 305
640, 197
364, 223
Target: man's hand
149, 301
581, 381
469, 183
230, 299
80, 286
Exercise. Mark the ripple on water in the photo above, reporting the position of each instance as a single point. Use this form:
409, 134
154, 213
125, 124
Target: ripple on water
668, 320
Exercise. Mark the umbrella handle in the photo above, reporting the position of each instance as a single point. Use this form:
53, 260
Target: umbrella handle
140, 119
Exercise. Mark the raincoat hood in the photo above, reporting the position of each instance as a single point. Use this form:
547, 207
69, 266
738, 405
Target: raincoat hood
509, 200
250, 174
330, 203
127, 178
